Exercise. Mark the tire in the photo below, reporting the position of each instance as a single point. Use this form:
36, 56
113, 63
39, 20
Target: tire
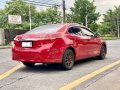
68, 60
28, 64
102, 53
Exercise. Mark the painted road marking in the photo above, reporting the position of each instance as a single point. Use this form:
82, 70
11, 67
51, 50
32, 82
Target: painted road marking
10, 71
89, 76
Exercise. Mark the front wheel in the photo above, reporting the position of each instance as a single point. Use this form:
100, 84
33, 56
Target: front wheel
102, 53
68, 59
28, 64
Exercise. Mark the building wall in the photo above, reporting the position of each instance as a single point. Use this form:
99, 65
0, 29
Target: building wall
8, 35
2, 37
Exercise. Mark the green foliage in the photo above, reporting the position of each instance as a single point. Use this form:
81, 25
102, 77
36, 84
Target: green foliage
50, 15
109, 37
81, 9
53, 15
104, 29
2, 18
19, 7
111, 21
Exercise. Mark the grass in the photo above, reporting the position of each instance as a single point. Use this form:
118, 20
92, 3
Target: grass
110, 38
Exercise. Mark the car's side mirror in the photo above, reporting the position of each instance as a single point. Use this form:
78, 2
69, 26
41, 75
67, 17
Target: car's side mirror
97, 35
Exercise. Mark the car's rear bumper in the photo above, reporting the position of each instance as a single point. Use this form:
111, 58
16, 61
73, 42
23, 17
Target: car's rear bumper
35, 56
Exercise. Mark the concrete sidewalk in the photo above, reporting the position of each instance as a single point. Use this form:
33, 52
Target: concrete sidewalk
109, 82
4, 47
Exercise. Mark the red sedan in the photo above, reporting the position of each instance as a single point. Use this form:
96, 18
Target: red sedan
58, 43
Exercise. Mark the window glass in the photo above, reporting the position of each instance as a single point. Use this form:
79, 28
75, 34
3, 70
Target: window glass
87, 32
75, 31
47, 29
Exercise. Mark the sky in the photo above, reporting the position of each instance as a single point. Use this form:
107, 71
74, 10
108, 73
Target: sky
2, 3
102, 5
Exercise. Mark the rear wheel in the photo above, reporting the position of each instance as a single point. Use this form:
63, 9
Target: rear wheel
68, 59
102, 53
28, 64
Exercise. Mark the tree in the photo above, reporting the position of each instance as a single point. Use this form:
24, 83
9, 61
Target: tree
111, 21
2, 18
104, 28
50, 15
81, 9
19, 7
53, 15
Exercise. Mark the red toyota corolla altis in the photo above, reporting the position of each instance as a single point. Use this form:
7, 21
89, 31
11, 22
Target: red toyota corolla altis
58, 43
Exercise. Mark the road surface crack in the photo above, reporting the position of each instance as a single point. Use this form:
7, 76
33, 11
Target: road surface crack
15, 81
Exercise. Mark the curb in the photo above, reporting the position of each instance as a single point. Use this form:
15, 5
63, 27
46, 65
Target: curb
5, 47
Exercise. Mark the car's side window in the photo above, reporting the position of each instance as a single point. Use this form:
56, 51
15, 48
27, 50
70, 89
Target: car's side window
87, 32
75, 31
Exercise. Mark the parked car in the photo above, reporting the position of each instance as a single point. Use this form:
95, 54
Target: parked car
58, 43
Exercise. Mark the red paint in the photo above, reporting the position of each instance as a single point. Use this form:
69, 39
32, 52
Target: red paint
49, 48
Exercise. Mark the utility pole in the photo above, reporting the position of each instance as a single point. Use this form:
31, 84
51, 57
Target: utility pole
86, 17
63, 5
30, 16
118, 26
86, 20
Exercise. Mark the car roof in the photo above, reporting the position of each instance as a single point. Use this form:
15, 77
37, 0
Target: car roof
69, 25
66, 25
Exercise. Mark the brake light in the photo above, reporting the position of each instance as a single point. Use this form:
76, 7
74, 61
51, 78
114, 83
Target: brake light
16, 39
37, 42
43, 41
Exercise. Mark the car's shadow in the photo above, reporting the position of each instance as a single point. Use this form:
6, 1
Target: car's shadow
54, 67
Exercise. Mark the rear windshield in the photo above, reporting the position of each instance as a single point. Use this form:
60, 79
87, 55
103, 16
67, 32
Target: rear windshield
46, 29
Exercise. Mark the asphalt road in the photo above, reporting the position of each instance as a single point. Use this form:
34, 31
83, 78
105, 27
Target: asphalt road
51, 77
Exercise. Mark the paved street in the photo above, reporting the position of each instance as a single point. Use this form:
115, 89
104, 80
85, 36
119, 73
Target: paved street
108, 82
43, 77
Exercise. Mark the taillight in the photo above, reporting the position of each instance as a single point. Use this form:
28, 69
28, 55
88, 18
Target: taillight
17, 43
36, 42
43, 41
16, 39
48, 40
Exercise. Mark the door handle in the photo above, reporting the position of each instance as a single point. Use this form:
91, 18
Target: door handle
88, 39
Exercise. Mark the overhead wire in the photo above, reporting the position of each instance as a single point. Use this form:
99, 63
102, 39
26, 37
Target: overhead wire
42, 3
49, 1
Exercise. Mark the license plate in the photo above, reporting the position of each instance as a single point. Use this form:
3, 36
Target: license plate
26, 44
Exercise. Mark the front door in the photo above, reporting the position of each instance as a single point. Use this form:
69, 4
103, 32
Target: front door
92, 43
80, 43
